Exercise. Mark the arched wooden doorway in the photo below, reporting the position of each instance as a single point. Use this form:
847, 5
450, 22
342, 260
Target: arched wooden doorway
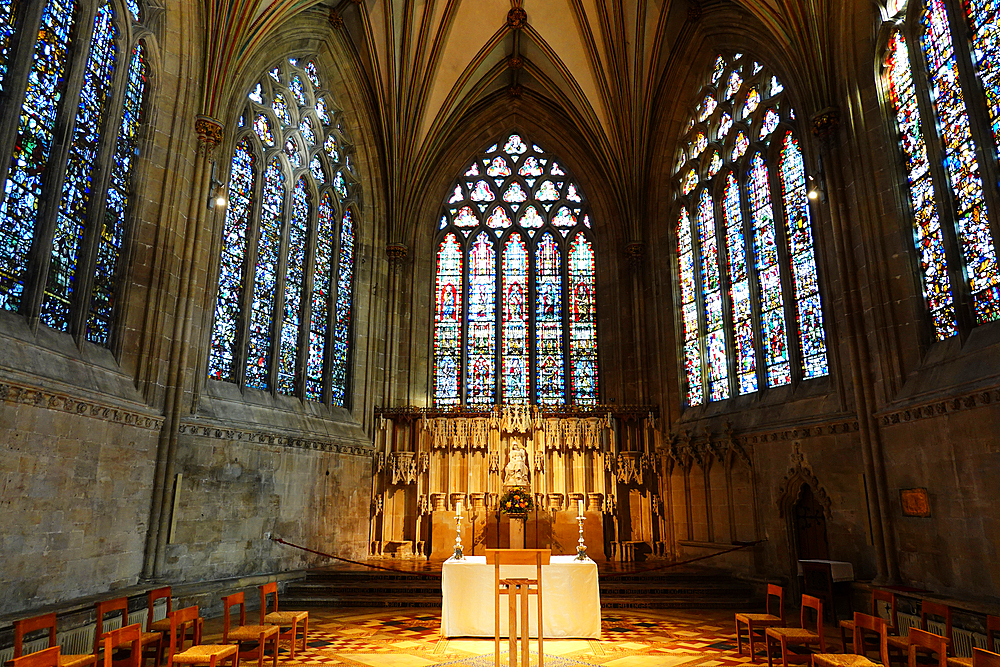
808, 520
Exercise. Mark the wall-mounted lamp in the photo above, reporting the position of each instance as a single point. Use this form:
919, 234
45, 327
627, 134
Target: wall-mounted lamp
816, 185
216, 193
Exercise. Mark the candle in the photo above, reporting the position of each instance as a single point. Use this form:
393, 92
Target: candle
579, 507
458, 507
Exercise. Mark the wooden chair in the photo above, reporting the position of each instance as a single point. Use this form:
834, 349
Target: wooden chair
152, 642
187, 620
919, 640
878, 595
293, 620
861, 624
992, 628
982, 658
47, 622
515, 589
791, 640
163, 625
261, 634
757, 623
48, 657
928, 611
130, 636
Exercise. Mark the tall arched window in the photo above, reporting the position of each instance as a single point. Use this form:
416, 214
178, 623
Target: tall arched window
286, 272
944, 95
76, 78
750, 307
515, 313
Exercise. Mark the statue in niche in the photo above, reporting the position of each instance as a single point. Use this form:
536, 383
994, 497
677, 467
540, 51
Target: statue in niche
516, 472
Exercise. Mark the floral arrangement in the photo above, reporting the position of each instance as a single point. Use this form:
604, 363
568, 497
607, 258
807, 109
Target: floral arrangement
516, 501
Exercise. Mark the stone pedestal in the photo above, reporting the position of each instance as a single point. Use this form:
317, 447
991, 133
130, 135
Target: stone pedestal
517, 531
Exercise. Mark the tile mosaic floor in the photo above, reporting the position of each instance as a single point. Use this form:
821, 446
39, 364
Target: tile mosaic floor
412, 638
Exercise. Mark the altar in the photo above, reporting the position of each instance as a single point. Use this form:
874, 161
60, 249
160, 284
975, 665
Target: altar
571, 601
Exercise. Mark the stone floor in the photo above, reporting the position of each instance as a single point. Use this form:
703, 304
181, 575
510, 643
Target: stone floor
412, 638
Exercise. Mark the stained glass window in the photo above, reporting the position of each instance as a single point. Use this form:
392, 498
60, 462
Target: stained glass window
689, 310
960, 274
80, 204
72, 216
448, 322
23, 189
737, 268
482, 321
960, 162
711, 291
231, 264
583, 322
296, 259
798, 229
8, 12
528, 329
344, 304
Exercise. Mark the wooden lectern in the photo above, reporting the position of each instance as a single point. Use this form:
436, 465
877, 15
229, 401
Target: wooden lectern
517, 589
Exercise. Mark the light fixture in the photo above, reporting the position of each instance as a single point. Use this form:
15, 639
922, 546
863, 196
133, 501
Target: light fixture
216, 192
816, 185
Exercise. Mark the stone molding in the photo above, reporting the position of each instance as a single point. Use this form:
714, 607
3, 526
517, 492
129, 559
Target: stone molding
11, 393
836, 427
941, 407
266, 438
791, 486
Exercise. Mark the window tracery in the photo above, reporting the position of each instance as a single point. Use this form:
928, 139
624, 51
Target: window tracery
946, 154
286, 271
515, 308
751, 312
65, 204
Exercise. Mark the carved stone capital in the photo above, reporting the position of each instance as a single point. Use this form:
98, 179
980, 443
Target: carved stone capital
396, 252
635, 251
826, 122
209, 131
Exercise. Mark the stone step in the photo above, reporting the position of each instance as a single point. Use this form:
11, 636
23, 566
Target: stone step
332, 587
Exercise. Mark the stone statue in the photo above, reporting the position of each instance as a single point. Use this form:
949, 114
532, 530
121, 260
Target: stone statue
516, 472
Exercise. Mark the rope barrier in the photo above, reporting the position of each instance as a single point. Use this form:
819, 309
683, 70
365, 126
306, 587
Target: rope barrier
437, 575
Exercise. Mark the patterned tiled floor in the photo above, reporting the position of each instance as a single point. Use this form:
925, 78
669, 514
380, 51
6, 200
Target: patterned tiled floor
412, 638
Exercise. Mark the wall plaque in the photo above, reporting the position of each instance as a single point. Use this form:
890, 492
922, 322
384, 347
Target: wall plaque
915, 502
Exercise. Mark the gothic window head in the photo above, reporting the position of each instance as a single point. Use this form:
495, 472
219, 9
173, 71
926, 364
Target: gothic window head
286, 272
68, 199
751, 313
943, 98
515, 312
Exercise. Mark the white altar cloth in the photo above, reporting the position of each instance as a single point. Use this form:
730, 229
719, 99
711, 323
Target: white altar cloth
839, 570
571, 601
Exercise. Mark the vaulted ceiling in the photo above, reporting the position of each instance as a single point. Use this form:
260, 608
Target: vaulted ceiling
427, 63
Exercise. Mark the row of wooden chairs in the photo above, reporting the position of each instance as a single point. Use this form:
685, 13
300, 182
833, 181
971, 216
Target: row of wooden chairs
799, 644
274, 627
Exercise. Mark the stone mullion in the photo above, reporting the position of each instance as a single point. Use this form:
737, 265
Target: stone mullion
498, 329
40, 255
563, 244
240, 353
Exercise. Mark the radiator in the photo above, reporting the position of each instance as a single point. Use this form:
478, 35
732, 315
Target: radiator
962, 640
907, 621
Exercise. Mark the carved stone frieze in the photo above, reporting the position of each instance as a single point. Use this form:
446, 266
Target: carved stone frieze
940, 408
264, 438
11, 393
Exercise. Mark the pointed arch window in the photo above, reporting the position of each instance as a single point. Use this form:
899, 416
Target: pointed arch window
515, 308
67, 197
944, 95
286, 270
751, 311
